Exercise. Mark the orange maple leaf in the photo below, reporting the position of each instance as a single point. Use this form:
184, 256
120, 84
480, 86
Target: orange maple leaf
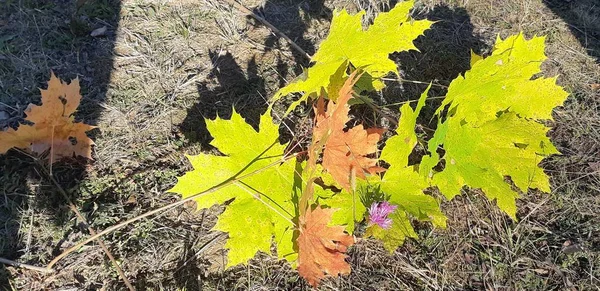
321, 248
53, 126
345, 154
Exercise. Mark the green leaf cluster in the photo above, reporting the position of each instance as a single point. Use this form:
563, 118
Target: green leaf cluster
403, 185
253, 172
494, 128
491, 136
348, 43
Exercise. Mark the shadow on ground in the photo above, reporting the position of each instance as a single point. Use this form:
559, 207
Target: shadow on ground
292, 18
37, 37
41, 36
231, 86
444, 53
227, 88
583, 18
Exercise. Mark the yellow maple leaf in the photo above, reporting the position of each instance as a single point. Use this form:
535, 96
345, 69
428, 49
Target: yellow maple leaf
368, 48
53, 126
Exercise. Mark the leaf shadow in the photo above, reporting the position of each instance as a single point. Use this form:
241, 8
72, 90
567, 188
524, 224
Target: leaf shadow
292, 18
444, 53
231, 86
583, 19
227, 88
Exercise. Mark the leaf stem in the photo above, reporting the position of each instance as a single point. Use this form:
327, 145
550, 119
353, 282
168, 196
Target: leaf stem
240, 183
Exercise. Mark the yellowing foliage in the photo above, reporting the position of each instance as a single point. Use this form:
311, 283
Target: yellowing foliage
263, 194
492, 131
53, 126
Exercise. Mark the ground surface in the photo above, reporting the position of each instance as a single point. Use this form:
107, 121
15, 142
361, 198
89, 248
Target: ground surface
162, 65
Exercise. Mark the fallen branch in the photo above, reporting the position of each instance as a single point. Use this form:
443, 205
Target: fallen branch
26, 266
162, 209
85, 223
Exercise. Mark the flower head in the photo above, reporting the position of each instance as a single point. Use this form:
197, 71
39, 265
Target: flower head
378, 214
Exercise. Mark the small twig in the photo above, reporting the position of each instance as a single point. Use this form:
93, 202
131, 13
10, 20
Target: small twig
26, 266
412, 101
29, 232
85, 223
378, 110
8, 106
400, 80
276, 31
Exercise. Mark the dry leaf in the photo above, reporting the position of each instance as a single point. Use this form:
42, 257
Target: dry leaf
321, 248
53, 126
345, 153
99, 32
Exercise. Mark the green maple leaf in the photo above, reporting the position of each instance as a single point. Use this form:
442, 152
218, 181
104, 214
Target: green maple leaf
263, 189
403, 185
490, 131
399, 147
503, 81
480, 157
369, 49
349, 208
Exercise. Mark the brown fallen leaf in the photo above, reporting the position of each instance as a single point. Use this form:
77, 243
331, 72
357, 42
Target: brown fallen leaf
321, 248
53, 126
345, 154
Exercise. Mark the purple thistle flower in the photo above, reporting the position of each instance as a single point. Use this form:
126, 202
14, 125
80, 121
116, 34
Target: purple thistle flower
378, 214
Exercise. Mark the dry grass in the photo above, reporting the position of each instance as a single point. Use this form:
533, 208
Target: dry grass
165, 64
